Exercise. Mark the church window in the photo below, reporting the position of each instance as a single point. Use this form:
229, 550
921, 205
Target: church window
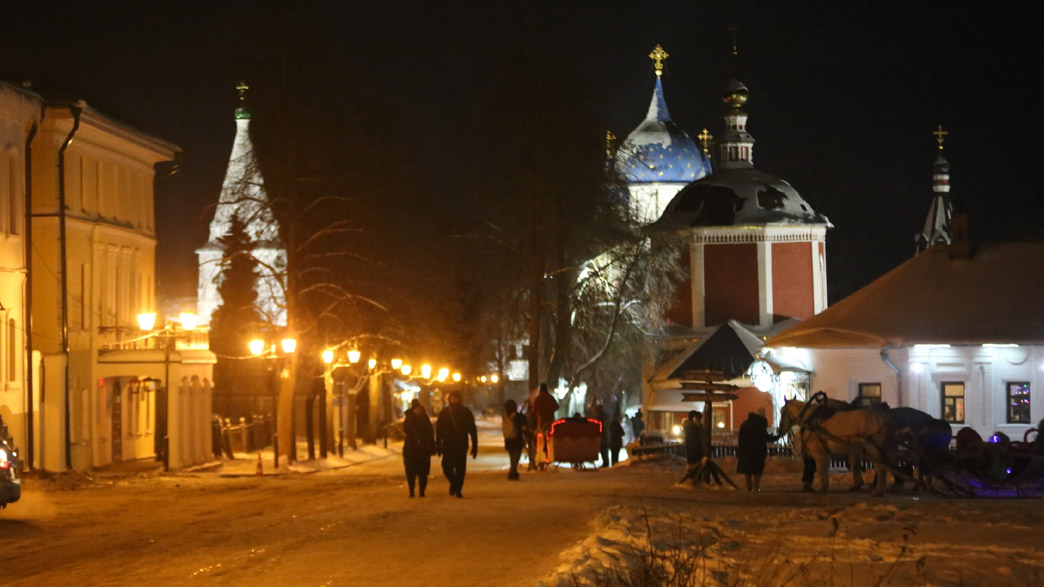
1018, 402
746, 153
733, 153
953, 402
870, 393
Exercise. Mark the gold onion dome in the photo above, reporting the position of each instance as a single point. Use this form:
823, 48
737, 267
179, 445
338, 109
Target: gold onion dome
735, 94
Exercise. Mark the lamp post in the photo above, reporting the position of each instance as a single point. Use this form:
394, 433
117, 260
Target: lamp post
167, 337
283, 393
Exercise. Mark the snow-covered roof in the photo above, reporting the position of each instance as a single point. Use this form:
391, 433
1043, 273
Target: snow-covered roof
992, 297
738, 197
659, 151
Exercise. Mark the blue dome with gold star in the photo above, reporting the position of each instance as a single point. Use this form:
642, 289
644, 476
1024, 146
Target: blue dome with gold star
659, 151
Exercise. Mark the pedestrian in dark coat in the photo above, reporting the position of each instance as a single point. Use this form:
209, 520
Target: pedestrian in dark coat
453, 428
599, 414
616, 434
514, 425
693, 437
637, 425
545, 407
531, 428
753, 448
418, 446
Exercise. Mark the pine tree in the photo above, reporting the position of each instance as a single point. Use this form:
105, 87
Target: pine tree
236, 319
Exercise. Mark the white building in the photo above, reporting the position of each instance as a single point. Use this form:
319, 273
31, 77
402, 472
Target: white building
94, 389
243, 194
955, 332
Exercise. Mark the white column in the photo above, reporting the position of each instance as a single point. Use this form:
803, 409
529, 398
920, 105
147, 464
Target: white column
765, 306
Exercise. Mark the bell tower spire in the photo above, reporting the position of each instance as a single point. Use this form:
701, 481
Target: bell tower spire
937, 225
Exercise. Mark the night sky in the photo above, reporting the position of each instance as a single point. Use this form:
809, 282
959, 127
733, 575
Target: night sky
844, 95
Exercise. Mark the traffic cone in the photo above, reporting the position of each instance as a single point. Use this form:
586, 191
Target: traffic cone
260, 469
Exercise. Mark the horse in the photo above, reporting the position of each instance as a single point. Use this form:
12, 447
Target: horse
926, 440
826, 427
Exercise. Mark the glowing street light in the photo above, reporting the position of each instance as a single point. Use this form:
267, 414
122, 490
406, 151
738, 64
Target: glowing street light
353, 356
147, 321
494, 378
372, 363
396, 363
482, 379
189, 321
257, 346
289, 345
456, 377
406, 369
426, 371
328, 356
443, 374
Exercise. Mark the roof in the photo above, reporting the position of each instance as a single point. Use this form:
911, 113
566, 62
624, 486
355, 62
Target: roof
730, 349
992, 297
658, 150
738, 197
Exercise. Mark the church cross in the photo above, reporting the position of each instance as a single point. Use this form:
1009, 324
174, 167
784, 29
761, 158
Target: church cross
658, 56
705, 139
940, 136
242, 88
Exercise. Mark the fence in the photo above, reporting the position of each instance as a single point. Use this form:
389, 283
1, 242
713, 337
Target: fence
720, 451
242, 436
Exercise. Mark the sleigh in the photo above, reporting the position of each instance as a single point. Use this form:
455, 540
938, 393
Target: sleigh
576, 441
993, 467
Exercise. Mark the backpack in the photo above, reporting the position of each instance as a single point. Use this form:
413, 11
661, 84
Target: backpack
510, 428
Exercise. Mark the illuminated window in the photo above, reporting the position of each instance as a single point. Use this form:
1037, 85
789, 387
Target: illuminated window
1018, 402
870, 393
953, 402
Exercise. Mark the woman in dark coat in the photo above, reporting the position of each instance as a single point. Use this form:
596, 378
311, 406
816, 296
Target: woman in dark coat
616, 434
418, 447
753, 448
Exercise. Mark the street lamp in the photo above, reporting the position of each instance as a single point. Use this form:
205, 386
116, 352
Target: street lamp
353, 356
189, 321
396, 363
257, 346
147, 321
289, 345
494, 378
372, 363
443, 374
456, 377
406, 370
426, 371
328, 356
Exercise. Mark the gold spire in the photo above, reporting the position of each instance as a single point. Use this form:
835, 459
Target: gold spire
610, 143
734, 29
940, 136
705, 139
658, 56
242, 88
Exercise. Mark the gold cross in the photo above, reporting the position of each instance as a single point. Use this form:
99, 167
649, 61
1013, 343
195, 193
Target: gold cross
658, 56
242, 88
610, 142
940, 136
705, 139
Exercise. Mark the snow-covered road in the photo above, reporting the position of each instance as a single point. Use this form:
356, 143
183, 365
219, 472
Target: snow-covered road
355, 526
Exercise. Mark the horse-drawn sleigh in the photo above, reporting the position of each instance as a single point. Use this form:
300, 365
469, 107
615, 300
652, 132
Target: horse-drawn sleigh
900, 440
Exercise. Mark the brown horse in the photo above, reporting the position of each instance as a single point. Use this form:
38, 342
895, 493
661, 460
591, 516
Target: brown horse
826, 428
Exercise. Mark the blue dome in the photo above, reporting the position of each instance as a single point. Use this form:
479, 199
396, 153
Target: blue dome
659, 151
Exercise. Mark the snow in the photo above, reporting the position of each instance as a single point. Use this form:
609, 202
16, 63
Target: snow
349, 522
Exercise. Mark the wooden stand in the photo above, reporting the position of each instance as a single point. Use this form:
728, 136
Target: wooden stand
707, 388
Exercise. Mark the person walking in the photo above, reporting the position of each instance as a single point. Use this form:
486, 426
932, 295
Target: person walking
545, 407
753, 448
418, 446
637, 426
455, 424
531, 427
514, 425
616, 434
598, 412
693, 429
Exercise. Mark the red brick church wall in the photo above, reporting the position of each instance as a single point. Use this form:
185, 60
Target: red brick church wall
731, 278
792, 290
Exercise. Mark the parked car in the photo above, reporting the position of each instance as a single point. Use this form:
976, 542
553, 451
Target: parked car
10, 484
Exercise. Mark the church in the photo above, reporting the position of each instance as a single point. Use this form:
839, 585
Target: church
753, 253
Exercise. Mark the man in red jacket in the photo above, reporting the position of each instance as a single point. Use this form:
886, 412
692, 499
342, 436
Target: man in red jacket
545, 406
